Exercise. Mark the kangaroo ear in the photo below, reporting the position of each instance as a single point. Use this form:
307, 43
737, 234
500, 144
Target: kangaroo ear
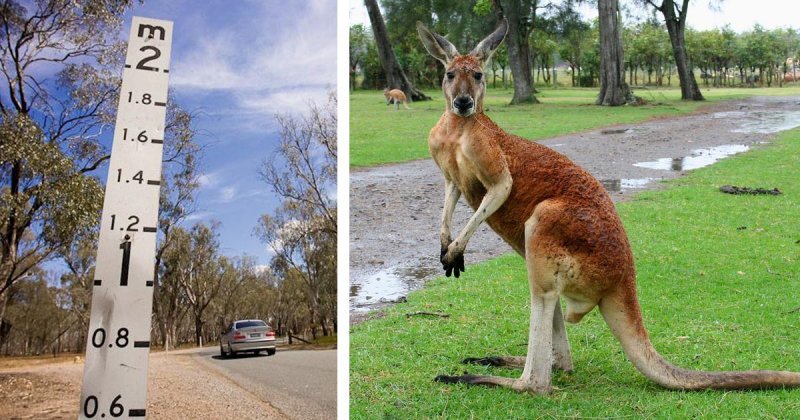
484, 50
440, 48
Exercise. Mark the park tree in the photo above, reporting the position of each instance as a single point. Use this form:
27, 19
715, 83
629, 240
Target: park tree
613, 89
521, 17
395, 76
575, 37
359, 46
674, 13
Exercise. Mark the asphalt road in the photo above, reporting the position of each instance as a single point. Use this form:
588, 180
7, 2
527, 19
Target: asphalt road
299, 383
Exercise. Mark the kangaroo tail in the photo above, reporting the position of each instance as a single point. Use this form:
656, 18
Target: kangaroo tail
622, 314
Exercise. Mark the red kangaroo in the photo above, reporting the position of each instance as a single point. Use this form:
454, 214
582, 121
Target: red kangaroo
561, 220
397, 96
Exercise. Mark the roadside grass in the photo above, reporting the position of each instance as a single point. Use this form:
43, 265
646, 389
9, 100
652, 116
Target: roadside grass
379, 134
9, 362
717, 276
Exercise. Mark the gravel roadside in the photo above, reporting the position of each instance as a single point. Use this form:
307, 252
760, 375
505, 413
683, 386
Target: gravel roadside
178, 388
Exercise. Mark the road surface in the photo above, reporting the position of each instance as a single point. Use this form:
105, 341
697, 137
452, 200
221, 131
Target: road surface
299, 383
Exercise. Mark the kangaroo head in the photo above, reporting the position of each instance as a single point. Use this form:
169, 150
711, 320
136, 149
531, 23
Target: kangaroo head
463, 84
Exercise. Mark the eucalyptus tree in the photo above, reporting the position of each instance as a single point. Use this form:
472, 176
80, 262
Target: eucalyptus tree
56, 59
302, 232
60, 64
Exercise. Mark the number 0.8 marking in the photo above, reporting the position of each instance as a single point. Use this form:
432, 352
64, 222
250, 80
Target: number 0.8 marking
99, 337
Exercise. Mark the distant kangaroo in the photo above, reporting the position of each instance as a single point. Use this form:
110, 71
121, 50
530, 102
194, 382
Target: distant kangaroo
561, 220
397, 96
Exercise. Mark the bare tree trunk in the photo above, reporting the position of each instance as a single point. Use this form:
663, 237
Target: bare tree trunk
518, 49
676, 27
395, 77
613, 89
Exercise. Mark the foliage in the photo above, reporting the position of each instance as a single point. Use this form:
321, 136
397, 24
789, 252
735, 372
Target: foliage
717, 53
701, 257
49, 124
302, 232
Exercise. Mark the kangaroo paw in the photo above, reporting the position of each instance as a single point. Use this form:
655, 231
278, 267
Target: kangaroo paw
453, 265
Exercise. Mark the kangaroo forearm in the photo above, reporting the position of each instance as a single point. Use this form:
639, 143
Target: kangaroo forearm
494, 198
451, 196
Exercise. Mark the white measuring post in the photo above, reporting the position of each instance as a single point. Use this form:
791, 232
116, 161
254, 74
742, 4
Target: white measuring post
118, 344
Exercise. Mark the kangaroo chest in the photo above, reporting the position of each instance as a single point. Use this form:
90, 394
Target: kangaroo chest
450, 150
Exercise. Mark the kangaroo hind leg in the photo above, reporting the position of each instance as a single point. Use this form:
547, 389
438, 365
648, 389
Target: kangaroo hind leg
544, 281
562, 356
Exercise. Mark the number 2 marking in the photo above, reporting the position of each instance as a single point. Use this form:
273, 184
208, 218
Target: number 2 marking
141, 64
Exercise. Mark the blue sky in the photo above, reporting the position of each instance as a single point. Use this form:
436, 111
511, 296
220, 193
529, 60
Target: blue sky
236, 64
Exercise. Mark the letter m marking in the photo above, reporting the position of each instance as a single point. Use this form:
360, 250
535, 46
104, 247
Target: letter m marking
151, 31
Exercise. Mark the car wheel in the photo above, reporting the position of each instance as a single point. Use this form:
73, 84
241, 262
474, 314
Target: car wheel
270, 352
222, 351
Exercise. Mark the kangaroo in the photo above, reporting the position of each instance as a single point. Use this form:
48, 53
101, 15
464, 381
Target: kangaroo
561, 220
397, 96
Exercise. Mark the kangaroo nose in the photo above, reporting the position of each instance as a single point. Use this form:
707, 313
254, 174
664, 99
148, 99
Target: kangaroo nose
463, 103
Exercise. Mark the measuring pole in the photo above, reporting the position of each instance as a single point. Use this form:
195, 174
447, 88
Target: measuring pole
118, 342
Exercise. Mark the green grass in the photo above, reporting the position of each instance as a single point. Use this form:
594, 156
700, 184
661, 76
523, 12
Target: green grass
715, 296
379, 134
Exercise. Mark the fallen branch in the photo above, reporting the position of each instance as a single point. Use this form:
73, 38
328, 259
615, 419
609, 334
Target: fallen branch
732, 189
439, 314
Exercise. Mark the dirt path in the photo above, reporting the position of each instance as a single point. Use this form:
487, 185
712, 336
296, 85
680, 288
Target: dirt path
395, 209
179, 388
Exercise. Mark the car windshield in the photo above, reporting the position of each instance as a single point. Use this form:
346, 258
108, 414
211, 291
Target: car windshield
245, 324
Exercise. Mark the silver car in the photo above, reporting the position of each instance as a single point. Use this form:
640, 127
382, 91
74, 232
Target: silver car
251, 335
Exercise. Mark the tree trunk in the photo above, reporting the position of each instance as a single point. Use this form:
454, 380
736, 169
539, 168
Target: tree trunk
198, 329
395, 77
518, 50
613, 89
676, 27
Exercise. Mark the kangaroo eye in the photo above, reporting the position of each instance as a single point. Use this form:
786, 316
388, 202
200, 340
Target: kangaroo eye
478, 76
450, 75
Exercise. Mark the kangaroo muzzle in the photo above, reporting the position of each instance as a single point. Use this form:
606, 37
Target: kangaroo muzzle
464, 105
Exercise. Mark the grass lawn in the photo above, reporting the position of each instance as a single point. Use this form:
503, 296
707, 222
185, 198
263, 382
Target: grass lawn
718, 278
379, 134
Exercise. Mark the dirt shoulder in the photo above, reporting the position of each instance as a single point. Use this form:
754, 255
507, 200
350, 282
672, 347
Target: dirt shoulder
395, 209
178, 388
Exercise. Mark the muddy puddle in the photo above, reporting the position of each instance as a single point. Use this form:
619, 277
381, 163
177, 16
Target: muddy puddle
394, 233
387, 286
697, 159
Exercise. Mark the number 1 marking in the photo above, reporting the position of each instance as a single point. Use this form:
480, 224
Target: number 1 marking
126, 261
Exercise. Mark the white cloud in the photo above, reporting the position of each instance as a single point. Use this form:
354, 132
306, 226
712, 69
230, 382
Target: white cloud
227, 194
208, 179
197, 216
276, 66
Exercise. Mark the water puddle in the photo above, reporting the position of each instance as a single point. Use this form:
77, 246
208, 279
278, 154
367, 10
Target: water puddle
698, 159
387, 286
625, 184
764, 122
